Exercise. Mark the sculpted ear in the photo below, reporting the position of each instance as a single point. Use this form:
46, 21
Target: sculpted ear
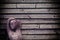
8, 21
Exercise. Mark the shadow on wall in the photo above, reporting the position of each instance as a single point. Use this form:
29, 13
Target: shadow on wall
3, 33
58, 15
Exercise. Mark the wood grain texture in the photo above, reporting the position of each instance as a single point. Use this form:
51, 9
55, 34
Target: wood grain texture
30, 11
35, 26
31, 1
8, 6
38, 36
37, 32
32, 16
35, 21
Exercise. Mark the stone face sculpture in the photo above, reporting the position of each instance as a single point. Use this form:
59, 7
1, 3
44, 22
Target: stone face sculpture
14, 29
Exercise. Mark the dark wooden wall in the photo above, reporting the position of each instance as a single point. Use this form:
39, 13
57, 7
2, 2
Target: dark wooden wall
40, 18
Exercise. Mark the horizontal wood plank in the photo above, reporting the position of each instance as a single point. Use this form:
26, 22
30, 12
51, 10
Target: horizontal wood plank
30, 26
34, 26
35, 21
25, 5
49, 26
31, 16
31, 1
7, 5
46, 6
39, 36
30, 11
38, 32
37, 6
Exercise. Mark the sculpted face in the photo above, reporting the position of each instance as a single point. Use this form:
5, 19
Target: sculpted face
13, 29
13, 24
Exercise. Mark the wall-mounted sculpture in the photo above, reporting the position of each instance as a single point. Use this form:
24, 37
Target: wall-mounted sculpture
14, 29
